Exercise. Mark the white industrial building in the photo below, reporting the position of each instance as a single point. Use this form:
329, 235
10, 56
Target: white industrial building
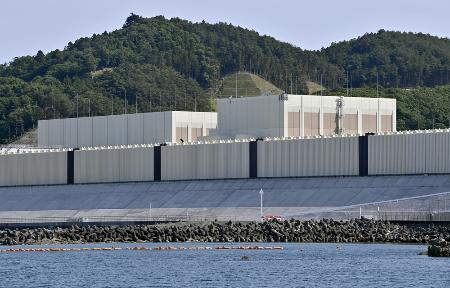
304, 115
139, 128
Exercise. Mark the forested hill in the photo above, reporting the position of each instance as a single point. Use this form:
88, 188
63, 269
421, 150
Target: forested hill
173, 64
401, 59
164, 64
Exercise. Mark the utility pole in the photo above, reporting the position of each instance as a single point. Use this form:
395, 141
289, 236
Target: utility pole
236, 85
89, 106
377, 84
351, 84
136, 99
347, 83
53, 106
195, 103
112, 104
160, 102
291, 83
150, 101
321, 85
125, 99
77, 104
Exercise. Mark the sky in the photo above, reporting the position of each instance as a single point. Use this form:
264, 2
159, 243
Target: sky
27, 26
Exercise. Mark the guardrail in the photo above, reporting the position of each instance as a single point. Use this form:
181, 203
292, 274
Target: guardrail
119, 219
407, 216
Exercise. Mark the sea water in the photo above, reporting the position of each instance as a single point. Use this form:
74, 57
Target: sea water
298, 265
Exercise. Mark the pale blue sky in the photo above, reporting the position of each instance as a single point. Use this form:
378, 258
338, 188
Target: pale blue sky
29, 26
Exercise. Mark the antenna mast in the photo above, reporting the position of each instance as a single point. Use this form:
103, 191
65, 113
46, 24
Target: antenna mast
377, 84
340, 107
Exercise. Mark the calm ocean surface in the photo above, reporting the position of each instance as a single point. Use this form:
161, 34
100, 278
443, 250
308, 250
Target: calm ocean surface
299, 265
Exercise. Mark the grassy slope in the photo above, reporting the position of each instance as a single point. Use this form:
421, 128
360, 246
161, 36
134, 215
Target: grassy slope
247, 85
313, 87
28, 139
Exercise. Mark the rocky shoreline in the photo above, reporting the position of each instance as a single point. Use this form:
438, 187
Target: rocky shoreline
439, 248
326, 230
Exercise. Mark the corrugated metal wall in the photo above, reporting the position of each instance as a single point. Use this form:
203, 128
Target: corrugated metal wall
205, 161
416, 153
424, 153
308, 157
33, 169
113, 165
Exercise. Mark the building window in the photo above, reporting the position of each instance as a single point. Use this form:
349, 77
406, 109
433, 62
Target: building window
350, 124
195, 133
386, 123
311, 126
293, 124
329, 123
369, 123
182, 134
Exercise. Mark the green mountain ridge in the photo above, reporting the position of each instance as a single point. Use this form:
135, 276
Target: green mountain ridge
174, 64
401, 59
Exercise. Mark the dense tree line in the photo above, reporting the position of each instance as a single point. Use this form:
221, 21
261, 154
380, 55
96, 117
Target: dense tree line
399, 59
176, 64
104, 92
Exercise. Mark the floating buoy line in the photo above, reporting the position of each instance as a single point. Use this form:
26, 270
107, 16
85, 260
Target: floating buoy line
161, 248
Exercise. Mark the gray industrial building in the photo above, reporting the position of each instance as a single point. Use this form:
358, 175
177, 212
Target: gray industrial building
127, 129
304, 116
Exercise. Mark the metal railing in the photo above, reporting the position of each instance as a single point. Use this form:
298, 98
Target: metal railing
121, 219
407, 216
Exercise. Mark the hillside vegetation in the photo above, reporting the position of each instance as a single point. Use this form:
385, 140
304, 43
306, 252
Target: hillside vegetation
401, 59
243, 84
173, 64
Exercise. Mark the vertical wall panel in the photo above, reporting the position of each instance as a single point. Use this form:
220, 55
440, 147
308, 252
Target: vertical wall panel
33, 169
205, 161
70, 133
308, 157
135, 128
55, 137
114, 165
116, 130
419, 153
43, 133
100, 131
84, 132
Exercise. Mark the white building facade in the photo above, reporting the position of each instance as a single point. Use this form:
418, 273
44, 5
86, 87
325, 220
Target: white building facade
304, 115
127, 129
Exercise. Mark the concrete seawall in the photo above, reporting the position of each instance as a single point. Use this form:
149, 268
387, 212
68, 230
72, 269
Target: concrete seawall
236, 199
